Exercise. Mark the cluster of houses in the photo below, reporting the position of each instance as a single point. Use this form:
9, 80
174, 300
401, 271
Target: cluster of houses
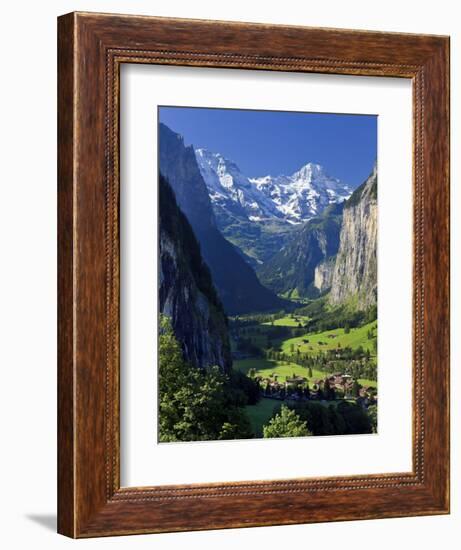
334, 386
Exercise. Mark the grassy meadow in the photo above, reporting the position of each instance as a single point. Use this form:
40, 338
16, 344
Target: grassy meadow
287, 321
271, 335
332, 339
267, 367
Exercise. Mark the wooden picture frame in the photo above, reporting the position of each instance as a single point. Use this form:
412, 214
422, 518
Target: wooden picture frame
91, 49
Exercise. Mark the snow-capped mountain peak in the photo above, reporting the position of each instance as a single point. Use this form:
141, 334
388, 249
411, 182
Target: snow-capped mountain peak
293, 199
227, 184
309, 171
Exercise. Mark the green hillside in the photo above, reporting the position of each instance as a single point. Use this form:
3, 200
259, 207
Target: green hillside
332, 339
267, 367
288, 321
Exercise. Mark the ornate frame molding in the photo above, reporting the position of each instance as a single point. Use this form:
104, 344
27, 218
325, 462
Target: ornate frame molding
91, 49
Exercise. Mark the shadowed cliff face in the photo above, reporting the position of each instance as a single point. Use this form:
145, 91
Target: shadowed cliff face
238, 287
355, 272
186, 292
179, 166
293, 269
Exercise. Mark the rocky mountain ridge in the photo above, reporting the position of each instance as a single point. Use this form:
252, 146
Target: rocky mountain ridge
292, 271
354, 278
235, 280
186, 293
293, 199
247, 225
334, 253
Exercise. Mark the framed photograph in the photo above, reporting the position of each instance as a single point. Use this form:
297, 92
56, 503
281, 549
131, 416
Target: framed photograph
253, 275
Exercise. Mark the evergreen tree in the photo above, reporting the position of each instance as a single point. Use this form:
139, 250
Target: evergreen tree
286, 424
372, 412
195, 404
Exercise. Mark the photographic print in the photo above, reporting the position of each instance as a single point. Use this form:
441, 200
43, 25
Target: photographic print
218, 291
267, 266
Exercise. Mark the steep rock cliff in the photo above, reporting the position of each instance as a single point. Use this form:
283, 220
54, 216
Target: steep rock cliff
323, 274
355, 273
261, 215
292, 270
238, 287
186, 292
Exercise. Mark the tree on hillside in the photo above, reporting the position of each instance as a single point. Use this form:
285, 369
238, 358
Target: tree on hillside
345, 418
356, 419
286, 424
196, 404
372, 412
375, 345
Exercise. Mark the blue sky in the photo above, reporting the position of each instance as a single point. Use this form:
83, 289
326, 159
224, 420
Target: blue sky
280, 142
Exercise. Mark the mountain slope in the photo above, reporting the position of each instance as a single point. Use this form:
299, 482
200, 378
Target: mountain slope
230, 189
354, 277
239, 207
305, 194
186, 292
238, 287
292, 199
261, 215
292, 270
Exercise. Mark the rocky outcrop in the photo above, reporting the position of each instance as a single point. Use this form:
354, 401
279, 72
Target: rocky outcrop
355, 273
262, 215
293, 199
235, 280
323, 274
186, 293
291, 271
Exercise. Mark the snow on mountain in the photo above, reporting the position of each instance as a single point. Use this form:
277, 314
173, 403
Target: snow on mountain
293, 199
227, 186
